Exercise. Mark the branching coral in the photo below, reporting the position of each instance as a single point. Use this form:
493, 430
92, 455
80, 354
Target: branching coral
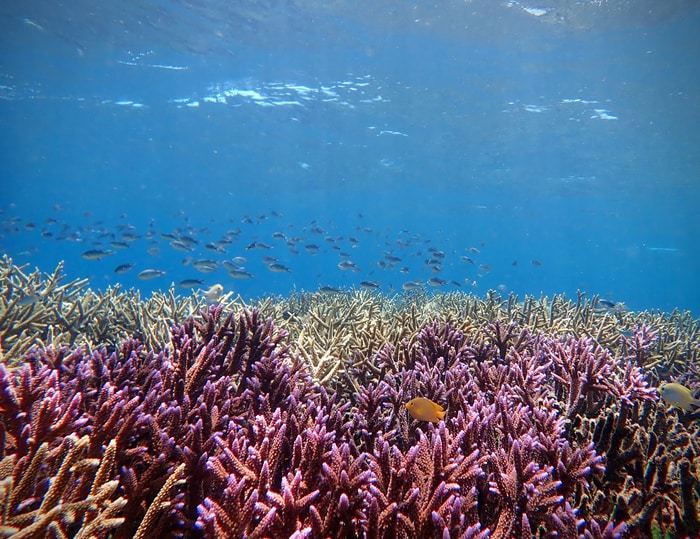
43, 310
336, 332
292, 423
78, 500
164, 410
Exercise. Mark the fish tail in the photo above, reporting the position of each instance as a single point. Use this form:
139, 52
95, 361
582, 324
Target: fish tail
440, 415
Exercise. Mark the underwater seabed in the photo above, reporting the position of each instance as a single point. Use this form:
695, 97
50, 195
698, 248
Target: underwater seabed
285, 417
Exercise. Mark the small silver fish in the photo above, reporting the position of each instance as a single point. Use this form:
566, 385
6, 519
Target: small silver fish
190, 283
95, 254
240, 274
123, 268
205, 266
188, 240
230, 265
258, 245
606, 306
278, 268
369, 285
148, 274
214, 247
28, 299
348, 265
326, 288
179, 245
412, 285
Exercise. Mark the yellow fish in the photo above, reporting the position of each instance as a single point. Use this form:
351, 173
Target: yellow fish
424, 409
678, 395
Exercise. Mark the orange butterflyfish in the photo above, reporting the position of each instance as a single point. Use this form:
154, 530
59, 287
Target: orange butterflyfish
424, 409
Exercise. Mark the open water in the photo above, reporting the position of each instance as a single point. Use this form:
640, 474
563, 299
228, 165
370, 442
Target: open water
533, 147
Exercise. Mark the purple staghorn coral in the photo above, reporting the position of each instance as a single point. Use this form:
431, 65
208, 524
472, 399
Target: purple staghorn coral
502, 462
163, 409
224, 433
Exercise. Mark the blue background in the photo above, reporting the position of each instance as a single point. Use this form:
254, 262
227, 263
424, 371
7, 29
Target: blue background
494, 156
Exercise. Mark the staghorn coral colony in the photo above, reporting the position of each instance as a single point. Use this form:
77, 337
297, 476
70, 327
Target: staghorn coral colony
125, 417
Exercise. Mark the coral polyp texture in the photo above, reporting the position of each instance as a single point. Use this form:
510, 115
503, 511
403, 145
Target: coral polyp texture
287, 418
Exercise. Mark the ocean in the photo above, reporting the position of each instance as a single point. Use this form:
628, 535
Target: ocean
569, 142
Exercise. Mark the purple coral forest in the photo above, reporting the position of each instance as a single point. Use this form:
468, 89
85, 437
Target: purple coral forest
268, 452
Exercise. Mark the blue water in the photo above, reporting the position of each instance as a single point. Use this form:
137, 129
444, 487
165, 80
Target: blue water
569, 141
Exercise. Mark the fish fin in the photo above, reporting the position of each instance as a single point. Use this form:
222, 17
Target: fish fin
440, 414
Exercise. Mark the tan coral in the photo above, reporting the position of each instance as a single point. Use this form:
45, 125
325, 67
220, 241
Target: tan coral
98, 513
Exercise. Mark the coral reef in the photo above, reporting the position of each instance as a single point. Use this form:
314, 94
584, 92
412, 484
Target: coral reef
335, 332
286, 418
76, 500
40, 310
